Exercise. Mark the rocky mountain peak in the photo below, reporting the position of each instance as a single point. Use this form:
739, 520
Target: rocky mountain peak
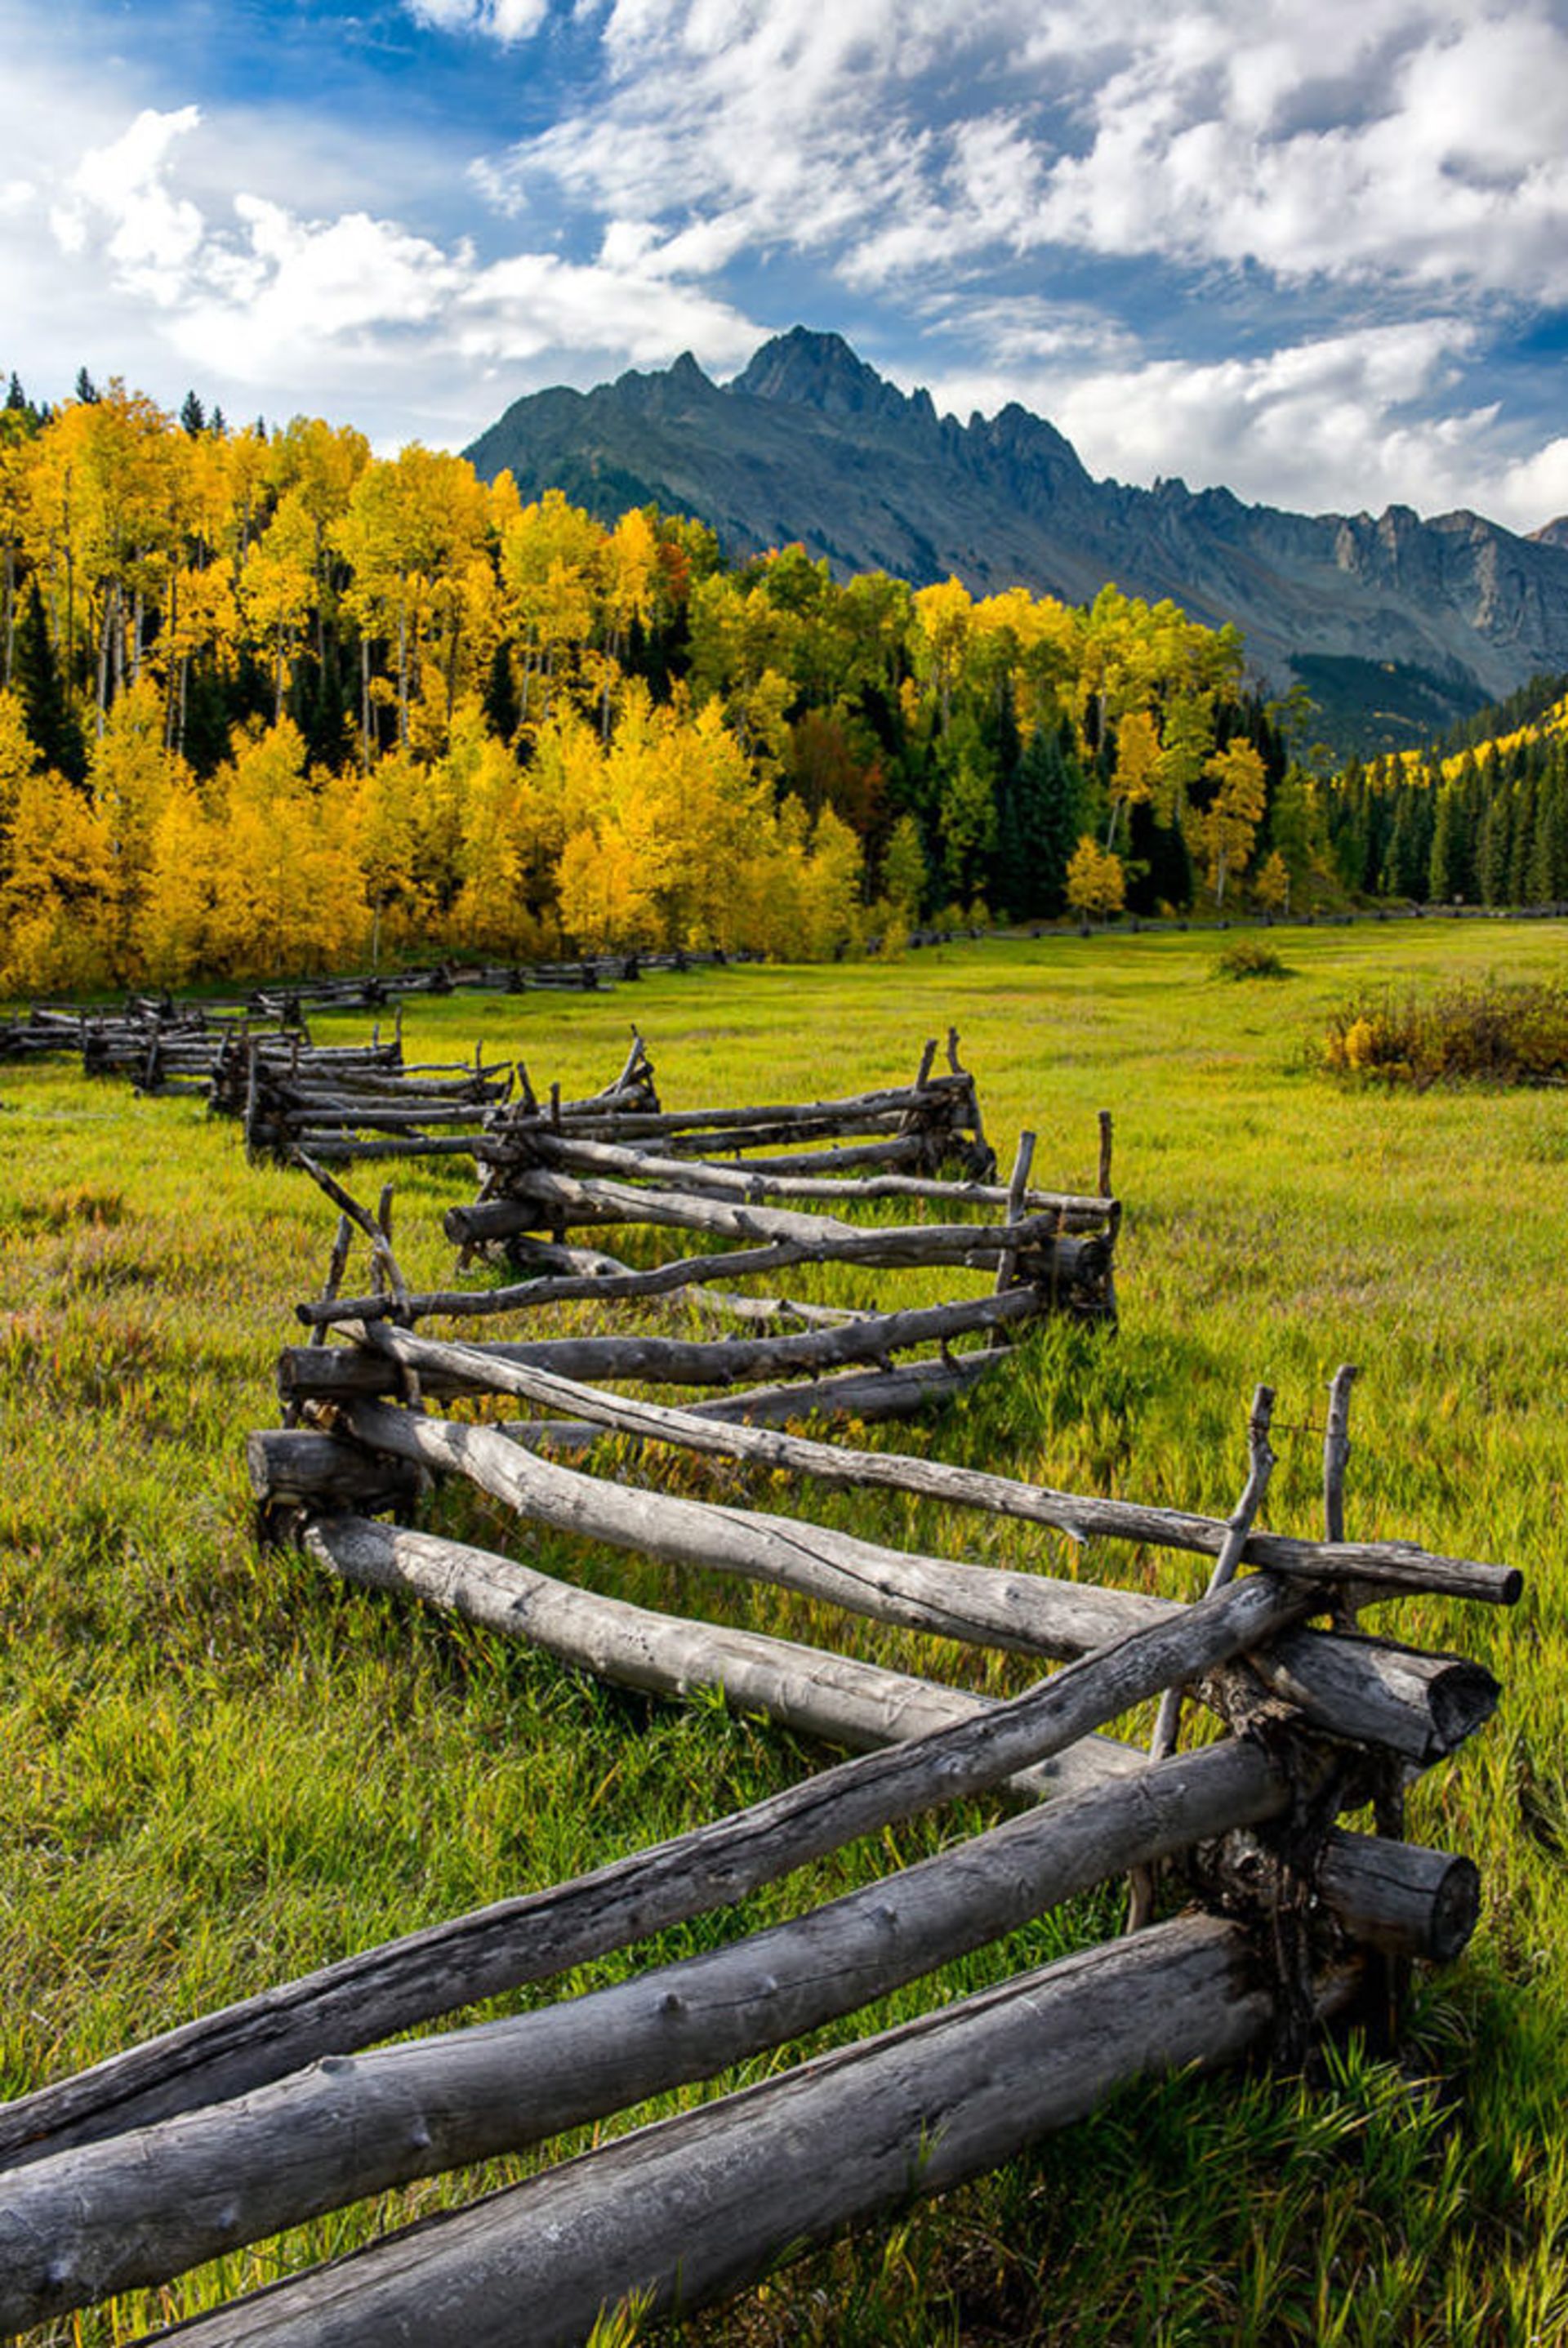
804, 369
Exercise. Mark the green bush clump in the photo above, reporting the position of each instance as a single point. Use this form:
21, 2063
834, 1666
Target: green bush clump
1250, 958
1494, 1032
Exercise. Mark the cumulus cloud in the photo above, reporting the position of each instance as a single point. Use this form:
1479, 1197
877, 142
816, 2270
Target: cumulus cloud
120, 191
499, 20
534, 303
1432, 150
269, 296
1344, 423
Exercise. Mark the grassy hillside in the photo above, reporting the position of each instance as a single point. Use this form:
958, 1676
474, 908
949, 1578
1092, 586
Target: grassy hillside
214, 1770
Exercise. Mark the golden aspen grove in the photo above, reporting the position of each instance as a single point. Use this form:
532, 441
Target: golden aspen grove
271, 704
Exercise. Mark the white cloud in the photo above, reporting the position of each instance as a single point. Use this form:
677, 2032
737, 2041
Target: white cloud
150, 235
1343, 424
257, 294
1431, 149
534, 302
499, 20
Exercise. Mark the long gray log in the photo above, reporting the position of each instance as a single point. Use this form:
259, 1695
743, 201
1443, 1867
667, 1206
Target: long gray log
758, 1182
367, 1997
811, 1690
869, 1395
694, 2207
338, 1372
898, 1100
335, 1149
1392, 1565
535, 1197
602, 1278
373, 1117
148, 2206
1392, 1895
1366, 1690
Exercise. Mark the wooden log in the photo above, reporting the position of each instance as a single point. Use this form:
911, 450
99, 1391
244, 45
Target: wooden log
901, 1392
338, 1372
754, 1182
1397, 1898
536, 1197
372, 1116
1366, 1690
810, 1690
332, 1148
292, 1467
363, 1998
583, 1273
694, 2207
1391, 1565
142, 2208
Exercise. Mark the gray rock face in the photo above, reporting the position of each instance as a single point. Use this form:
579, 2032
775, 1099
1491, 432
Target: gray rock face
810, 444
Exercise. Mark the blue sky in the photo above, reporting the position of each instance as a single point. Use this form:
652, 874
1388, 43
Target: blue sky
1319, 254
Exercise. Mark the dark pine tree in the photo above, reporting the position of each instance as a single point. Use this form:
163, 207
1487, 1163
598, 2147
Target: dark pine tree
86, 389
45, 705
193, 416
1037, 829
503, 710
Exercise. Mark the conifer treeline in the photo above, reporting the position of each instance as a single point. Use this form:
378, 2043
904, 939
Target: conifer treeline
268, 703
1488, 827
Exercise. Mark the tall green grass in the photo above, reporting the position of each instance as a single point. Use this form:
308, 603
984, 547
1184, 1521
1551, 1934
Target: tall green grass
216, 1769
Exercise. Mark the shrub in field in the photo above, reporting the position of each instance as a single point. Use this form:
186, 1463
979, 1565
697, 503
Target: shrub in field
1250, 958
1492, 1032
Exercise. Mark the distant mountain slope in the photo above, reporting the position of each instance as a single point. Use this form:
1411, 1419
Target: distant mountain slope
812, 444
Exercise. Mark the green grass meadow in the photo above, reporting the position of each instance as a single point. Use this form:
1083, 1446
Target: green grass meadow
217, 1769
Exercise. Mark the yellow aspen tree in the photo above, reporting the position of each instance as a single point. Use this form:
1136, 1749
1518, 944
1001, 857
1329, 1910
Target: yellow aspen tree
57, 909
172, 939
131, 775
835, 869
1272, 886
286, 898
1138, 755
1096, 883
277, 588
944, 628
548, 556
1232, 819
604, 894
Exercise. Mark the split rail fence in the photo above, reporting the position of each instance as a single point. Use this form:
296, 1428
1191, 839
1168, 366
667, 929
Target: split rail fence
290, 2103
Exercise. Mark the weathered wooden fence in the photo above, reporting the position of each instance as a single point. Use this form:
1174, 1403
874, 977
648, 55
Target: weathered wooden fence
257, 2117
289, 2105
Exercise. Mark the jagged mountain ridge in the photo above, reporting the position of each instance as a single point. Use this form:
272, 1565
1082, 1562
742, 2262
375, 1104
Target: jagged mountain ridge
808, 443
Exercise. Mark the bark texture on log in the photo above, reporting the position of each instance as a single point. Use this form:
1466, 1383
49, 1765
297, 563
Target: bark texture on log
695, 2206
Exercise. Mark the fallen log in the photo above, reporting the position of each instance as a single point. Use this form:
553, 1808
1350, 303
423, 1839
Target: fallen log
1388, 1566
537, 1198
753, 1182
